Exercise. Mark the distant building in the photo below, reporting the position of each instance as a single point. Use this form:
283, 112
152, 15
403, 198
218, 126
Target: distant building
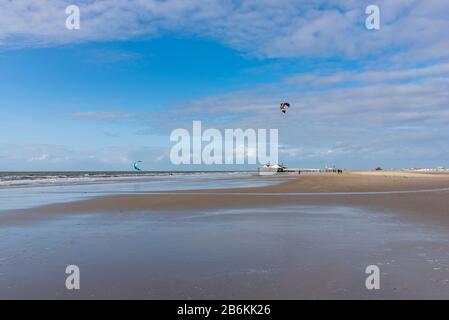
268, 169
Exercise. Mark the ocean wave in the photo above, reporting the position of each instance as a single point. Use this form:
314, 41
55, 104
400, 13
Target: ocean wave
69, 178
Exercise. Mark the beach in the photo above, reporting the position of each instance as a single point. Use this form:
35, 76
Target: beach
308, 236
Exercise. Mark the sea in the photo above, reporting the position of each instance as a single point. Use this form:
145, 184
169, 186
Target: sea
19, 190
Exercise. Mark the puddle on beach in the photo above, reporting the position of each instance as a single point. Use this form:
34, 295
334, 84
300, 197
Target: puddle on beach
290, 252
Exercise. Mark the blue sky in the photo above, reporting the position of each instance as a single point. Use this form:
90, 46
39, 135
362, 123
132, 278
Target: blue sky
103, 96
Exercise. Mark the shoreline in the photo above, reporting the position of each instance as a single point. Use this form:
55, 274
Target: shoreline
402, 192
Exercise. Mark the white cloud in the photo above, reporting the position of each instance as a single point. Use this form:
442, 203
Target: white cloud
101, 115
35, 156
268, 28
370, 120
370, 76
424, 101
42, 157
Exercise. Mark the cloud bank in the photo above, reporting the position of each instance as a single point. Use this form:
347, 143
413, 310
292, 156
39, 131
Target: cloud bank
264, 28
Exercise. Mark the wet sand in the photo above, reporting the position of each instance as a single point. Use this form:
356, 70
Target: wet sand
310, 237
417, 195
